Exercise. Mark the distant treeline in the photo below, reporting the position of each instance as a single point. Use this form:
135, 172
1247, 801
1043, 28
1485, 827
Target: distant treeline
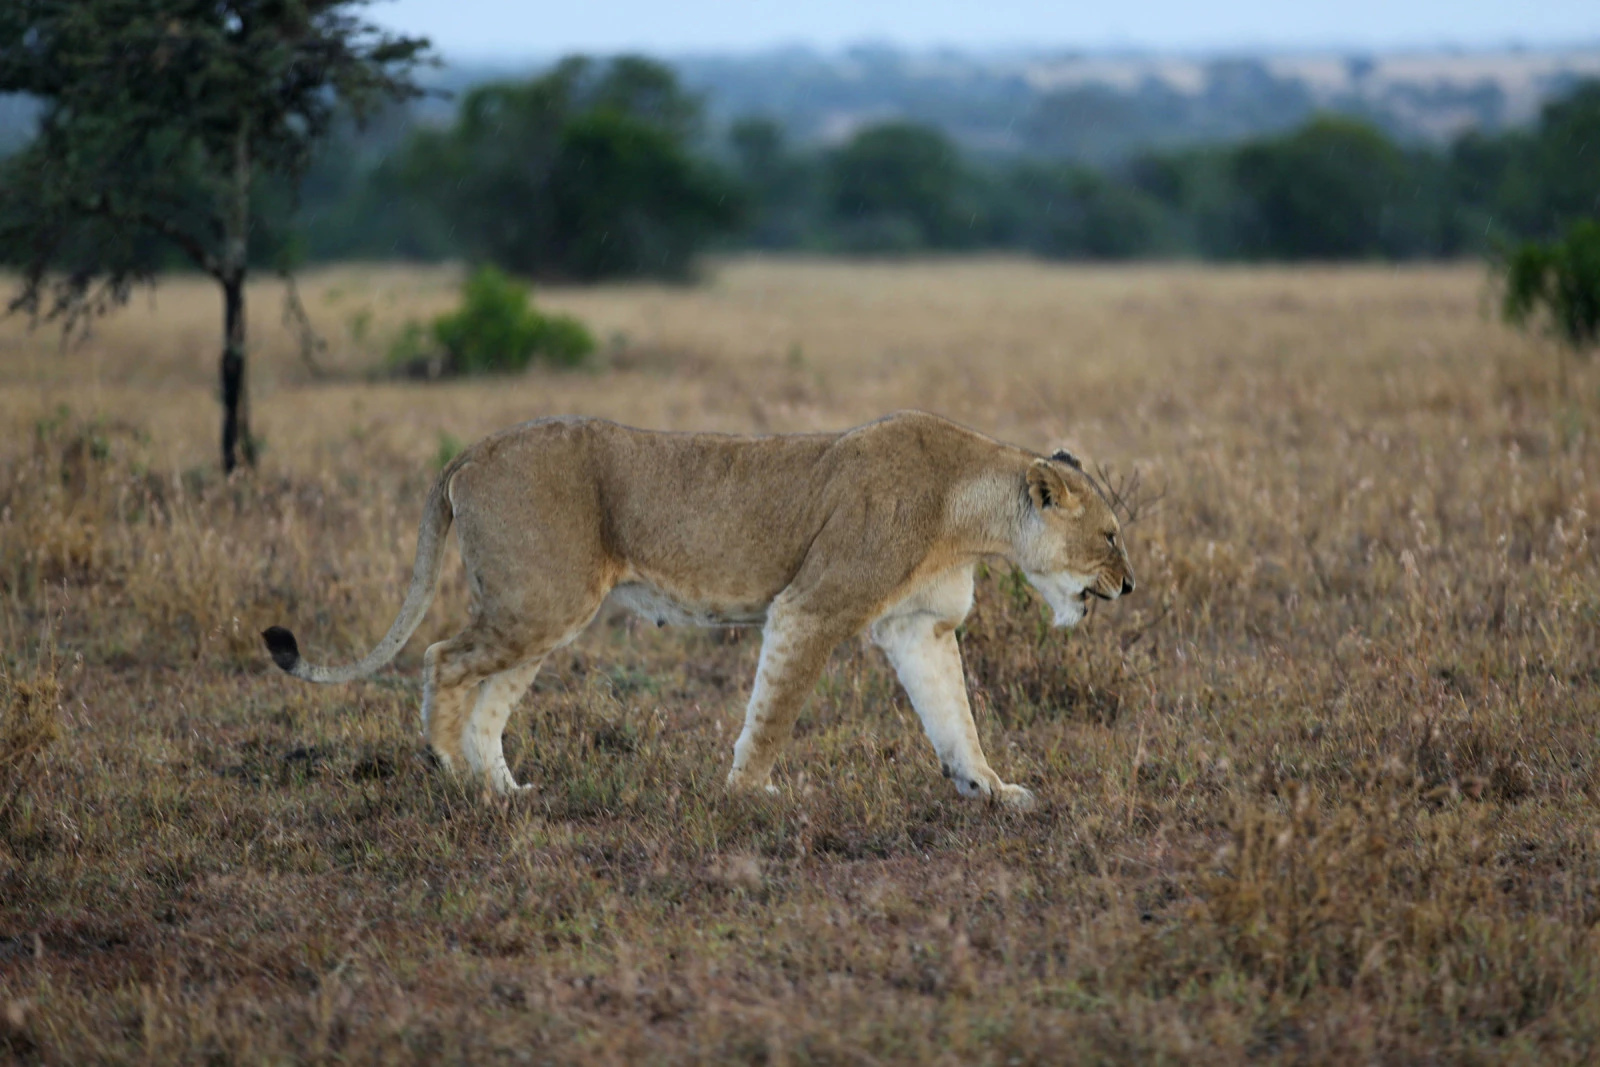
596, 170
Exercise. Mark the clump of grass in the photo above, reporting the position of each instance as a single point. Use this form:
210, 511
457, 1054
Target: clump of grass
30, 722
1027, 669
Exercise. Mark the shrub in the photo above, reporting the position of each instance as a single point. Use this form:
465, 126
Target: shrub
494, 331
563, 340
1559, 282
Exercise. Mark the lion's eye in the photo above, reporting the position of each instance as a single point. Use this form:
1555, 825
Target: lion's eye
1111, 539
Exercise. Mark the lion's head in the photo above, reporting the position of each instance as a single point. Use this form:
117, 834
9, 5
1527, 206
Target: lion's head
1070, 543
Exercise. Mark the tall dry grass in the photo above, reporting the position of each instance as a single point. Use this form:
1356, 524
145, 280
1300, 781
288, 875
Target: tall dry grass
1323, 791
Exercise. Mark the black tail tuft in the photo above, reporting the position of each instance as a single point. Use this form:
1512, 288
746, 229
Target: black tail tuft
281, 643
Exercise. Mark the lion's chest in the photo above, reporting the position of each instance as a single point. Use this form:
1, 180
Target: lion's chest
663, 608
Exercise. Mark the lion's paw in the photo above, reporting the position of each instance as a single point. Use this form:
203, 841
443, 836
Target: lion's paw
1016, 796
741, 782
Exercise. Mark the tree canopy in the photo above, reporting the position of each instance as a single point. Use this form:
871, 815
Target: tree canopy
1334, 187
897, 186
584, 172
159, 117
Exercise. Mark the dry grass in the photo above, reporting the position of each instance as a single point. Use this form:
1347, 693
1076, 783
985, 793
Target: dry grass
1323, 791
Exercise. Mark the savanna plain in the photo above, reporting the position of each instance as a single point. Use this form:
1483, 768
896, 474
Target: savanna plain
1323, 790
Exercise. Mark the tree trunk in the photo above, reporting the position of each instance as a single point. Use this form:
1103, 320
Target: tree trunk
237, 443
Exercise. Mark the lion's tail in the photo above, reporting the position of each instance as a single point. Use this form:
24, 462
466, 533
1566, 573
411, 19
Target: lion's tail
436, 518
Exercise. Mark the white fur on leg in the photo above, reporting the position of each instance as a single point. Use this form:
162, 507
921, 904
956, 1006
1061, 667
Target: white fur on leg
766, 722
481, 734
744, 776
922, 647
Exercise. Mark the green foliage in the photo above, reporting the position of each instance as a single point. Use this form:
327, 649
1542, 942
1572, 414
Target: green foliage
584, 172
1073, 212
1329, 188
1558, 283
450, 447
163, 126
563, 340
1564, 154
896, 188
1533, 184
354, 203
595, 170
625, 200
158, 118
494, 331
780, 185
1325, 191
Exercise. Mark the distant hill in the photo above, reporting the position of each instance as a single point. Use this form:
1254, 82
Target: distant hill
1090, 107
1099, 107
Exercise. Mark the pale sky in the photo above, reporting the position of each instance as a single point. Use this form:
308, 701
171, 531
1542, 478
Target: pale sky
513, 29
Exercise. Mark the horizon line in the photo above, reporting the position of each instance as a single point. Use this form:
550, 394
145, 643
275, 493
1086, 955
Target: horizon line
1104, 51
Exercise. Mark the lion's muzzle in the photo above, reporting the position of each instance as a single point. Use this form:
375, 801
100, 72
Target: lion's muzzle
1107, 590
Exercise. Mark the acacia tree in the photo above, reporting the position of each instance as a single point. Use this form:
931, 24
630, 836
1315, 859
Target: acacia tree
159, 118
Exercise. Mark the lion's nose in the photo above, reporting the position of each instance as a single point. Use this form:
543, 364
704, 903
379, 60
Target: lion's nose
1127, 584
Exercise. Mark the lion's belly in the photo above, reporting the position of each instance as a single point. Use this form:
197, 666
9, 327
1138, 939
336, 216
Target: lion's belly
663, 608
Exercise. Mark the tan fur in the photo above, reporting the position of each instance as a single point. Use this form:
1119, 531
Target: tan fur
813, 537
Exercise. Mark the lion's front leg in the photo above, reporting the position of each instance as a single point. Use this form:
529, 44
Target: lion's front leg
794, 649
922, 647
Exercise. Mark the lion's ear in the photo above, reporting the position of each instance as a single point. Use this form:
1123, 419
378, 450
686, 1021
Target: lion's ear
1068, 458
1046, 488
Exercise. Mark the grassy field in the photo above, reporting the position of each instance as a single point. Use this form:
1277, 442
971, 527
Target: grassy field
1323, 790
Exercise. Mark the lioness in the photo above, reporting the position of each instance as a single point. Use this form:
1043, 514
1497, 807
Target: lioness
810, 536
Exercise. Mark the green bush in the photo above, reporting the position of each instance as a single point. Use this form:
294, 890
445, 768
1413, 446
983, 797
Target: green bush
563, 340
1558, 283
494, 331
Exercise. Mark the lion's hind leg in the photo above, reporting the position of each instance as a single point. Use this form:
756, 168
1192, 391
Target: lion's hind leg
472, 682
444, 710
469, 684
482, 732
